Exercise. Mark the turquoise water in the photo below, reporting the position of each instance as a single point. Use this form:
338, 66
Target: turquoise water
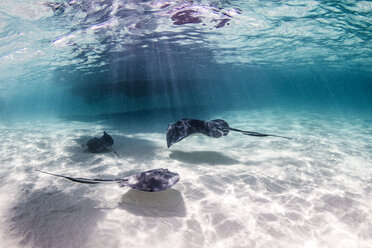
72, 69
94, 57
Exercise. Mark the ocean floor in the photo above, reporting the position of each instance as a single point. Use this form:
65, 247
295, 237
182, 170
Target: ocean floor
235, 191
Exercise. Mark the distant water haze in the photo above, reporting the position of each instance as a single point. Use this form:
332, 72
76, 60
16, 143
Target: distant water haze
99, 57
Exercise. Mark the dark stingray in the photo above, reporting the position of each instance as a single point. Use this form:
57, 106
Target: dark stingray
104, 143
152, 180
179, 130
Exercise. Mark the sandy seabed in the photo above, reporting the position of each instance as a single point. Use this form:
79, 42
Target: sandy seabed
235, 191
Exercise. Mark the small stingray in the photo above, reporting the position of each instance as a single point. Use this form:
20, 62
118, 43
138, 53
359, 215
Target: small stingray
152, 180
96, 145
179, 130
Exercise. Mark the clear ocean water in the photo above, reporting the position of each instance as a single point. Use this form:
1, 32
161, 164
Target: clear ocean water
71, 69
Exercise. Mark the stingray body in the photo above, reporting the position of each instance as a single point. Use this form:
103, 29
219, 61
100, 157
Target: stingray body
181, 129
104, 143
152, 180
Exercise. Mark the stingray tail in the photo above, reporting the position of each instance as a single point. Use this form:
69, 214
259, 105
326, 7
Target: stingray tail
256, 134
82, 180
110, 148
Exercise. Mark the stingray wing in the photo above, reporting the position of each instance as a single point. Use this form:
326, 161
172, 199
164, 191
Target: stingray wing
176, 132
217, 128
107, 139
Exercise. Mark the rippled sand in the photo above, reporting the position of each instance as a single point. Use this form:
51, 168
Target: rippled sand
236, 191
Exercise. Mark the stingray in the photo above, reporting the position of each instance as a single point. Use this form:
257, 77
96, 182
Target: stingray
104, 143
181, 129
152, 180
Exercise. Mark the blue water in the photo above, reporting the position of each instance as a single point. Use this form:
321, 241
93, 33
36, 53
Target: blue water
93, 57
71, 69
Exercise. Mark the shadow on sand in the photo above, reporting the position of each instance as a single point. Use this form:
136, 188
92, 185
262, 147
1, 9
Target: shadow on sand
138, 149
50, 218
203, 157
168, 203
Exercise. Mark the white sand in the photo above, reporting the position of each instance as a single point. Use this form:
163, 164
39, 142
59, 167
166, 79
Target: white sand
236, 191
